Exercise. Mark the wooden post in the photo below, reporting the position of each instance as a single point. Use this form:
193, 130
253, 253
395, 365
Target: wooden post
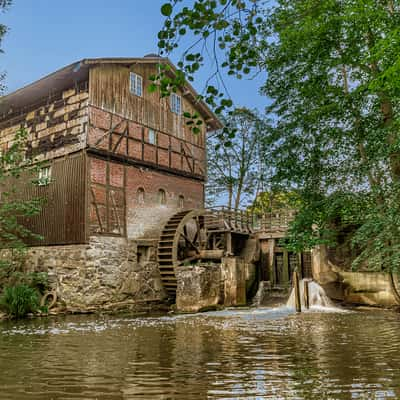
296, 285
306, 295
271, 259
229, 249
285, 271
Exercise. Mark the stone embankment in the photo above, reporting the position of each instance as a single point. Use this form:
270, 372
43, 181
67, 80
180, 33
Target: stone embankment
207, 286
105, 275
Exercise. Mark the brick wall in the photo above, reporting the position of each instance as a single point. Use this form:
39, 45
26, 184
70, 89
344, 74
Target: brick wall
146, 218
112, 133
132, 194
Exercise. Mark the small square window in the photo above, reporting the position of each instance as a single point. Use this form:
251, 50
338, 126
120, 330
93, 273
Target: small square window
44, 176
136, 84
152, 136
176, 103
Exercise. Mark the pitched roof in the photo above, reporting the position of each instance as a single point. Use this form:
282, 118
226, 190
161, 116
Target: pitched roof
78, 71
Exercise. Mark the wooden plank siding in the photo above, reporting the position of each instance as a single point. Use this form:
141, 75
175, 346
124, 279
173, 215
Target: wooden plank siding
62, 219
124, 126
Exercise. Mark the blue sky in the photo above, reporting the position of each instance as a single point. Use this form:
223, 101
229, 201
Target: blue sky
48, 34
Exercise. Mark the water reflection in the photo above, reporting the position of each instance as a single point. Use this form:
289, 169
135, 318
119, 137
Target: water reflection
259, 354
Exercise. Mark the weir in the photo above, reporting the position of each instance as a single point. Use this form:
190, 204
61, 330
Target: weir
316, 296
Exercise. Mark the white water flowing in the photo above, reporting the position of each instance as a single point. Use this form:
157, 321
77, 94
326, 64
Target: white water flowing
258, 298
317, 296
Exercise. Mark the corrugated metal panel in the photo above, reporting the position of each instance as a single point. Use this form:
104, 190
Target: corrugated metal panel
62, 219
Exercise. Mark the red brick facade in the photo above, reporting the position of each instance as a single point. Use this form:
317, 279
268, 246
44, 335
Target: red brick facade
109, 132
126, 199
146, 218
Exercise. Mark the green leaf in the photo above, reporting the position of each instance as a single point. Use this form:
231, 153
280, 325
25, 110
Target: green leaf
152, 88
166, 9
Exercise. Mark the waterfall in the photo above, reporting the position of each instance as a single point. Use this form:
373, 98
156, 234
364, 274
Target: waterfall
317, 296
259, 296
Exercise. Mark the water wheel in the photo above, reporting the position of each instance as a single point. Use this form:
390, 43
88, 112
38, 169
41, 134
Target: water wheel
187, 237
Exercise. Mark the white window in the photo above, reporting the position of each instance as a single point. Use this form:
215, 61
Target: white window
44, 176
181, 202
152, 137
176, 103
136, 84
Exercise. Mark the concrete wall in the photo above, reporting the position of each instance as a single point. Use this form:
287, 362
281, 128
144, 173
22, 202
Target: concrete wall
369, 288
198, 287
205, 286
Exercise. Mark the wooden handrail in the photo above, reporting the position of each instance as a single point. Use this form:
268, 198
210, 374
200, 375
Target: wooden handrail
249, 221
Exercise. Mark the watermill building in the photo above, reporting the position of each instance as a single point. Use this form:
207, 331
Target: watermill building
117, 162
123, 177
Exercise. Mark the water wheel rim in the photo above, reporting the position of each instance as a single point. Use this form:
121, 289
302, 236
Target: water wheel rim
171, 233
187, 218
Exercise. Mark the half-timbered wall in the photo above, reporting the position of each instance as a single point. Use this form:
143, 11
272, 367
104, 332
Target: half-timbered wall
111, 134
136, 201
116, 111
107, 197
56, 127
104, 144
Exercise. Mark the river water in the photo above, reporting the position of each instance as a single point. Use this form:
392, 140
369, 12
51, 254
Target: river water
246, 354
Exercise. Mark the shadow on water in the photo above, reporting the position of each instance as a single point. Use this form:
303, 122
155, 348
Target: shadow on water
232, 354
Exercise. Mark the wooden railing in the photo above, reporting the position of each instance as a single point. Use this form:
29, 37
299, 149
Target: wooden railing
243, 221
273, 221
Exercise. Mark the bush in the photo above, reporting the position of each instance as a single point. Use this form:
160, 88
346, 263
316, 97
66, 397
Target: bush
13, 273
17, 301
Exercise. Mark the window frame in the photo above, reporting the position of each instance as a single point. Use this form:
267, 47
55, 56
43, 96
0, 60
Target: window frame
162, 197
176, 106
181, 201
140, 195
152, 141
135, 84
44, 179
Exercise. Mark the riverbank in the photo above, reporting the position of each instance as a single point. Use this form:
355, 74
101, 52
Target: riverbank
110, 308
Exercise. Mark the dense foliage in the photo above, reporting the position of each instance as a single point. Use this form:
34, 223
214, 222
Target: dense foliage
332, 72
19, 300
16, 169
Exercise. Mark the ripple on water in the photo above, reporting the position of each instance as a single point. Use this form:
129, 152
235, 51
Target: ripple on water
231, 354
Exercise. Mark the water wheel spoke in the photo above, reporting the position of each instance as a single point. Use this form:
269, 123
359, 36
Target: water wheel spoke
198, 231
187, 240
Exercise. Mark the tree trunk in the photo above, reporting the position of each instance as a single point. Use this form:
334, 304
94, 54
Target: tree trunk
230, 195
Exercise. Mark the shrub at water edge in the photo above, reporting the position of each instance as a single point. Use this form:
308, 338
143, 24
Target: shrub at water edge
19, 300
